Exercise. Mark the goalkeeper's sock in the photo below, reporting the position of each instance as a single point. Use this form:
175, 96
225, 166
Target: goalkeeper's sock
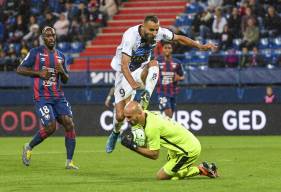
188, 172
192, 171
38, 138
70, 143
151, 79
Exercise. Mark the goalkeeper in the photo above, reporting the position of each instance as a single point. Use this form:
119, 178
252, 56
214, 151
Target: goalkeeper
183, 147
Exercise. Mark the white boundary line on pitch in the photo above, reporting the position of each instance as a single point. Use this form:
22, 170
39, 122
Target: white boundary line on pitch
53, 152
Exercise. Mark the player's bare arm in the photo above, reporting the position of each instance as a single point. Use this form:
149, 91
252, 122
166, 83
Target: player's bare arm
151, 154
191, 43
178, 77
43, 74
126, 72
64, 76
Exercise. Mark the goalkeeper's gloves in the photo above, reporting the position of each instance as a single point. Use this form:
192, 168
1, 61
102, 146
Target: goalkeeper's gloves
127, 139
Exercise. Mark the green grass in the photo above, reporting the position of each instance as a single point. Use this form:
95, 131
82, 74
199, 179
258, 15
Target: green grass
245, 164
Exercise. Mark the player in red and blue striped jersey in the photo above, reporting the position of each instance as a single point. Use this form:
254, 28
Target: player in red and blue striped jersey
170, 72
47, 66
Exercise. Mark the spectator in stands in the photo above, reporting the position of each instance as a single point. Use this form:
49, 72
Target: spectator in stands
202, 24
11, 59
61, 27
24, 48
109, 7
218, 24
71, 11
212, 4
50, 19
251, 60
88, 30
244, 59
231, 59
251, 35
97, 18
256, 60
2, 56
83, 10
226, 38
270, 97
248, 15
215, 59
74, 30
234, 23
272, 22
33, 30
256, 7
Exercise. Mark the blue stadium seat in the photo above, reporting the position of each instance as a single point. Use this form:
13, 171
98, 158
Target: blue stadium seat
187, 57
264, 43
193, 8
76, 47
267, 55
63, 46
69, 59
201, 57
276, 43
236, 43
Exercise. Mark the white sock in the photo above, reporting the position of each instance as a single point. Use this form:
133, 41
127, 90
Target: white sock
151, 79
116, 125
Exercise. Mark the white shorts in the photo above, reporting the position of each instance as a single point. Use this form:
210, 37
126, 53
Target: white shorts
122, 88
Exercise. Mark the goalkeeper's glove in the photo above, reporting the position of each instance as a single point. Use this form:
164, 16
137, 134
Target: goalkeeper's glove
127, 139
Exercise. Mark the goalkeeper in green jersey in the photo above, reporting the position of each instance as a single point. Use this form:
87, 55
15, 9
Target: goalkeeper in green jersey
183, 147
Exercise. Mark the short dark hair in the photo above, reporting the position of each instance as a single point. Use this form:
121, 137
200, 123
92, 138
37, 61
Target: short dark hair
152, 18
166, 43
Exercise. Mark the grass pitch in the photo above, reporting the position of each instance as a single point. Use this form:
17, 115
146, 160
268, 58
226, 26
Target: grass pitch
245, 164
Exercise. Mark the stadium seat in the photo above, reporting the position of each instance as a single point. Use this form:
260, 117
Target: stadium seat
63, 46
236, 43
267, 55
201, 57
264, 43
76, 47
276, 43
193, 8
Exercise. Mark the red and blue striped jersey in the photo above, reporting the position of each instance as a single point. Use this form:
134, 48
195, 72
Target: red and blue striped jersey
166, 85
38, 59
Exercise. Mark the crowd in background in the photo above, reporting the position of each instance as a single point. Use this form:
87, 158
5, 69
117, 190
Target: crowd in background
21, 22
237, 27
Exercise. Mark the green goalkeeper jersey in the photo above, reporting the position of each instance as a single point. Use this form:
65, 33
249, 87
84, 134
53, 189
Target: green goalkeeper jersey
165, 132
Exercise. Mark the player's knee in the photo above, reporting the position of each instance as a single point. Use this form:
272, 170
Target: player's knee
162, 175
159, 176
120, 117
69, 125
50, 128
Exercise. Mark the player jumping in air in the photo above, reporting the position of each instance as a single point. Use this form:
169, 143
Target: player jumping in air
160, 131
47, 67
170, 72
136, 74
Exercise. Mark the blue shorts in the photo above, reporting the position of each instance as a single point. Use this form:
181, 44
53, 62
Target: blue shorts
166, 102
49, 110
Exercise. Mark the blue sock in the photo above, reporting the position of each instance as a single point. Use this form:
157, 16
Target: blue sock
38, 138
70, 143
